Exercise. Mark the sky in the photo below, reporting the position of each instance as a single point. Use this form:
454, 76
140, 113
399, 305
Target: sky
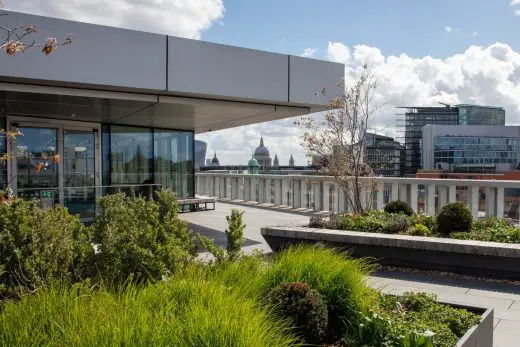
422, 51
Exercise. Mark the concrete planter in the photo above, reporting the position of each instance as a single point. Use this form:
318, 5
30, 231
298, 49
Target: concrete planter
493, 259
480, 335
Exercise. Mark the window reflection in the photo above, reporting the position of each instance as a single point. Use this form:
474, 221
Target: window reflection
131, 155
35, 152
174, 161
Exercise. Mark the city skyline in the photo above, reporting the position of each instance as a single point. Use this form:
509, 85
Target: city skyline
422, 52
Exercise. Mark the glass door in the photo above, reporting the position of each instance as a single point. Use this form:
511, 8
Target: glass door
57, 162
36, 160
80, 172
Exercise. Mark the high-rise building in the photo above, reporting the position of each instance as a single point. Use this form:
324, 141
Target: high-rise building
470, 148
415, 118
384, 155
291, 161
200, 153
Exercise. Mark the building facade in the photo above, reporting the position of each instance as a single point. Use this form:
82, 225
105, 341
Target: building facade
200, 153
470, 148
262, 156
384, 155
414, 119
104, 122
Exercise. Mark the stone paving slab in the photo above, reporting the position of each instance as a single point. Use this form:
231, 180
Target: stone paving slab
506, 334
494, 294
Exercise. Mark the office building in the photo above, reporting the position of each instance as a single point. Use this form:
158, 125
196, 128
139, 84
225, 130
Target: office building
384, 155
412, 121
200, 153
470, 148
121, 107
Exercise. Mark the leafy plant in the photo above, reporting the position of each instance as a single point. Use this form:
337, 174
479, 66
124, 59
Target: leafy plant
140, 239
397, 223
339, 278
305, 307
454, 217
420, 230
398, 206
39, 246
234, 235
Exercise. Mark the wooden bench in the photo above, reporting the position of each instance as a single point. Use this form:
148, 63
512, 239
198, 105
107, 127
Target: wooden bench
195, 204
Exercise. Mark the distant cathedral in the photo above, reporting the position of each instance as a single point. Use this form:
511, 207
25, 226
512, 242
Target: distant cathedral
263, 157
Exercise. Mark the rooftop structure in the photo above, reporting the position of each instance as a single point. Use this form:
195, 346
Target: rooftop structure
111, 120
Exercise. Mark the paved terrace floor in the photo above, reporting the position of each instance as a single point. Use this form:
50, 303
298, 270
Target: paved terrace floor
503, 297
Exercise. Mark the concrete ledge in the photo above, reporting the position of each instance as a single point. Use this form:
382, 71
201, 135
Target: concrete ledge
464, 256
480, 335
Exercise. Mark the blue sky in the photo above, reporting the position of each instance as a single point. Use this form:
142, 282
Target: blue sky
416, 27
422, 51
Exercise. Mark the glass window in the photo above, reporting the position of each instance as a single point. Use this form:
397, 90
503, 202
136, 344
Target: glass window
173, 161
130, 155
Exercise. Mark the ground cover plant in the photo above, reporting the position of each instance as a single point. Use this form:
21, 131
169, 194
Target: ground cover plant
453, 221
132, 278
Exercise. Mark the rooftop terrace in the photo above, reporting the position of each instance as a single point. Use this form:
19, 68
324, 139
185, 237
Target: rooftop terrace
503, 296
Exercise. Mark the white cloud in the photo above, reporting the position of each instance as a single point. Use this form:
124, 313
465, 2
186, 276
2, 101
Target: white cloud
309, 52
515, 2
479, 75
448, 29
338, 52
179, 18
517, 12
474, 34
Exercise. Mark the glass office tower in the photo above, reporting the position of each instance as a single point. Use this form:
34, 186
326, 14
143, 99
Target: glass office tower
415, 118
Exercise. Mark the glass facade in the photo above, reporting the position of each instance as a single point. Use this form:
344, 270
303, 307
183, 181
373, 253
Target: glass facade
417, 117
481, 115
173, 161
471, 153
135, 156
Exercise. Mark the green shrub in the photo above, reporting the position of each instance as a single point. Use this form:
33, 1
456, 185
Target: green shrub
39, 246
304, 306
454, 217
424, 219
491, 229
397, 223
140, 239
186, 310
397, 207
420, 230
234, 236
339, 278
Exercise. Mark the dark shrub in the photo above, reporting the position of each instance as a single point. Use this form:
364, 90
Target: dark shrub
140, 239
335, 275
38, 247
454, 217
397, 207
304, 306
397, 223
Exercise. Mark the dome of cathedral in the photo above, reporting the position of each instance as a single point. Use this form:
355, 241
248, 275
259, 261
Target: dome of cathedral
261, 150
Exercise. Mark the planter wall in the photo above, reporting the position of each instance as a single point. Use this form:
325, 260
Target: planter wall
480, 335
492, 259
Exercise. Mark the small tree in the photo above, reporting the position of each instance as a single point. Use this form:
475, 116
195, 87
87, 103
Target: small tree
337, 139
